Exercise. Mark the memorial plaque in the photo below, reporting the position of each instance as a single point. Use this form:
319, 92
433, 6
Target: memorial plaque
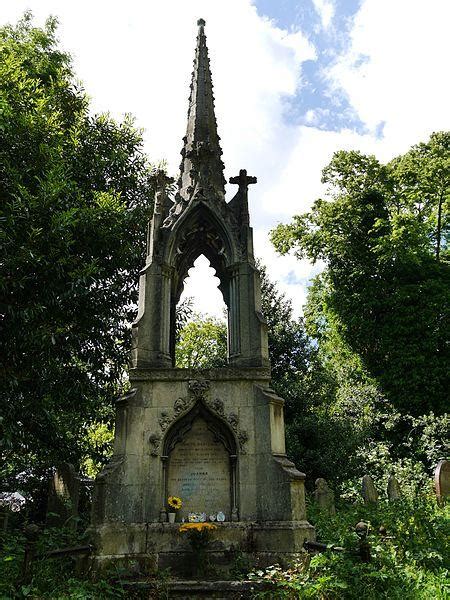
199, 472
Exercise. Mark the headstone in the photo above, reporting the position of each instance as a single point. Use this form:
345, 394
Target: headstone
393, 489
324, 496
369, 491
63, 497
442, 480
199, 472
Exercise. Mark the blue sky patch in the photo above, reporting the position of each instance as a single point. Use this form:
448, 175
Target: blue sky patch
315, 103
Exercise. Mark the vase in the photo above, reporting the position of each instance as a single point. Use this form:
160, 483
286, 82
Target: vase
172, 517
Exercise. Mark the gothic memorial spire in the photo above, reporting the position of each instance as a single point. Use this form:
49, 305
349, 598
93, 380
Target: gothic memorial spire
201, 169
214, 437
198, 221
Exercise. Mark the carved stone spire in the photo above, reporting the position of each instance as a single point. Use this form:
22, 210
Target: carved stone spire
201, 169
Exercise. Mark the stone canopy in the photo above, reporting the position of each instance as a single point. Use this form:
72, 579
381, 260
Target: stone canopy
215, 438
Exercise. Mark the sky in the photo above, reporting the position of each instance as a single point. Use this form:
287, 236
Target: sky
294, 81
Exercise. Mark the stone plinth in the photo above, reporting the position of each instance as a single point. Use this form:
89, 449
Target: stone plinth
215, 439
150, 547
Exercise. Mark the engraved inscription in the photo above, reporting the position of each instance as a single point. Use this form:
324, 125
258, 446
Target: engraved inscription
199, 472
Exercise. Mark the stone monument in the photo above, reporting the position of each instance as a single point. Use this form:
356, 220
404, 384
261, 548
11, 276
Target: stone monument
324, 496
63, 497
214, 438
394, 491
442, 480
369, 491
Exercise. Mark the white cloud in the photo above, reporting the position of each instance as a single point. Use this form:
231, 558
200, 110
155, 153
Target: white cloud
395, 69
202, 286
325, 9
137, 57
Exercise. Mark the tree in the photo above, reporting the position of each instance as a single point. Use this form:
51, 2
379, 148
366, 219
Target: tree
423, 183
202, 343
76, 192
383, 292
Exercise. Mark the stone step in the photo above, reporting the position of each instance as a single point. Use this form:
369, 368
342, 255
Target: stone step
181, 589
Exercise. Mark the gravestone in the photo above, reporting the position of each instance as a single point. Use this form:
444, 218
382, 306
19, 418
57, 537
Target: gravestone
393, 489
442, 480
63, 497
199, 472
216, 437
369, 491
324, 496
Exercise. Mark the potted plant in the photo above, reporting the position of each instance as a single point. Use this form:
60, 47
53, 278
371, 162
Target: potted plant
175, 504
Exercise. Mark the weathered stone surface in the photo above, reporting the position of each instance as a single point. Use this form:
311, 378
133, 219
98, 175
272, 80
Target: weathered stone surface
63, 497
205, 590
393, 489
324, 496
199, 472
162, 546
442, 479
215, 438
369, 491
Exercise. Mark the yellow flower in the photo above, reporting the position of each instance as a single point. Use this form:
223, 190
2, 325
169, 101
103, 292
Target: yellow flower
197, 527
175, 502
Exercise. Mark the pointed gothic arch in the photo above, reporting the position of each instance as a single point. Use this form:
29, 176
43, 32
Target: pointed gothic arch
197, 221
218, 426
222, 435
200, 231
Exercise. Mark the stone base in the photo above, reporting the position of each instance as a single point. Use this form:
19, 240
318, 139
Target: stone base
147, 548
194, 590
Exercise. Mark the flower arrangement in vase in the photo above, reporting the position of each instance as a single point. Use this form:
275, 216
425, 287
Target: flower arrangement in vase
175, 504
199, 536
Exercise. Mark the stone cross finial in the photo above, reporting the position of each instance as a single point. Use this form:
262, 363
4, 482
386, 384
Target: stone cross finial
243, 180
162, 179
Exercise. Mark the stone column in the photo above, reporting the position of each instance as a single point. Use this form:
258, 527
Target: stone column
250, 325
151, 330
234, 347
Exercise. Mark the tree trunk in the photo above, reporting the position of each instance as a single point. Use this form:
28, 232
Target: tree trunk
439, 225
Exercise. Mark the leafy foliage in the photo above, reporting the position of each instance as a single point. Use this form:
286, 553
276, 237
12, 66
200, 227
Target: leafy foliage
410, 559
386, 289
75, 193
202, 344
48, 578
364, 375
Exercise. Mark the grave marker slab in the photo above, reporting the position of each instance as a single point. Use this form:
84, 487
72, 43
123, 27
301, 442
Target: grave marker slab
442, 479
393, 489
369, 491
324, 496
199, 472
63, 497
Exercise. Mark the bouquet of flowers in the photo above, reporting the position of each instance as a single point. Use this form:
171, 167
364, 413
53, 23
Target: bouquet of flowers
199, 536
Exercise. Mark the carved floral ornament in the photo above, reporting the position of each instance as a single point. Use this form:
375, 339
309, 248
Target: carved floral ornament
198, 391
